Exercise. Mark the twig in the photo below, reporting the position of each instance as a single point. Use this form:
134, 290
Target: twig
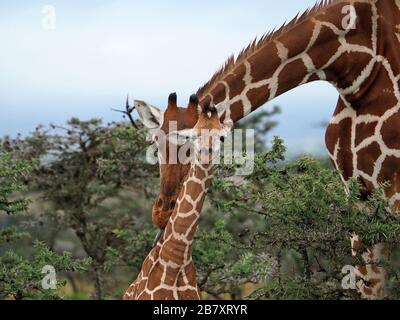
319, 264
208, 274
128, 112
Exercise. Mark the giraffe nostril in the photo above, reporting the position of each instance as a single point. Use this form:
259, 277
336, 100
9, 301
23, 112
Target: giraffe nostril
222, 139
210, 150
159, 203
172, 205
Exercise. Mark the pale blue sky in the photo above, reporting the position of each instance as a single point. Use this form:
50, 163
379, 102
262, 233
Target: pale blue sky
101, 50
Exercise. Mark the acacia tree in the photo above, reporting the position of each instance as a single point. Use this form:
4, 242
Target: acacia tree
283, 229
84, 172
300, 215
21, 275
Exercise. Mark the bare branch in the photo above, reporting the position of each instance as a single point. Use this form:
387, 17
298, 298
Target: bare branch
128, 112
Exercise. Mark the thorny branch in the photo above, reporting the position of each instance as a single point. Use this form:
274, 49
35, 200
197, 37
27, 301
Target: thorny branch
128, 112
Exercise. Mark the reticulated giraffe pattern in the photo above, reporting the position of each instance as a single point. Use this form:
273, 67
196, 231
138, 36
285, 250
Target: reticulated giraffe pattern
168, 272
354, 45
363, 135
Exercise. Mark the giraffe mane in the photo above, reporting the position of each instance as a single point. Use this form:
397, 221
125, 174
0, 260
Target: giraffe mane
258, 44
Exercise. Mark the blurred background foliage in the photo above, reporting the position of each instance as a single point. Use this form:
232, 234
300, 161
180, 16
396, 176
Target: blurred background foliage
79, 197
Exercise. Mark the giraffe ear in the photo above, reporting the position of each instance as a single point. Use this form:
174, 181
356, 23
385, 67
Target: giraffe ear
222, 107
182, 136
150, 116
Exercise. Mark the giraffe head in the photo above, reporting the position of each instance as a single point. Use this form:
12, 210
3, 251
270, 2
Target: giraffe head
206, 137
185, 123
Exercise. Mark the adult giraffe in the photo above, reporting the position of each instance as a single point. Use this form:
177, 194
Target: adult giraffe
168, 271
359, 57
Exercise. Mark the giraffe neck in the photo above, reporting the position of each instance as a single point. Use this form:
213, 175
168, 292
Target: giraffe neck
316, 46
168, 272
179, 234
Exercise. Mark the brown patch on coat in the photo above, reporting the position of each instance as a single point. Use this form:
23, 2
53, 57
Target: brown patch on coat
391, 131
367, 158
364, 131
